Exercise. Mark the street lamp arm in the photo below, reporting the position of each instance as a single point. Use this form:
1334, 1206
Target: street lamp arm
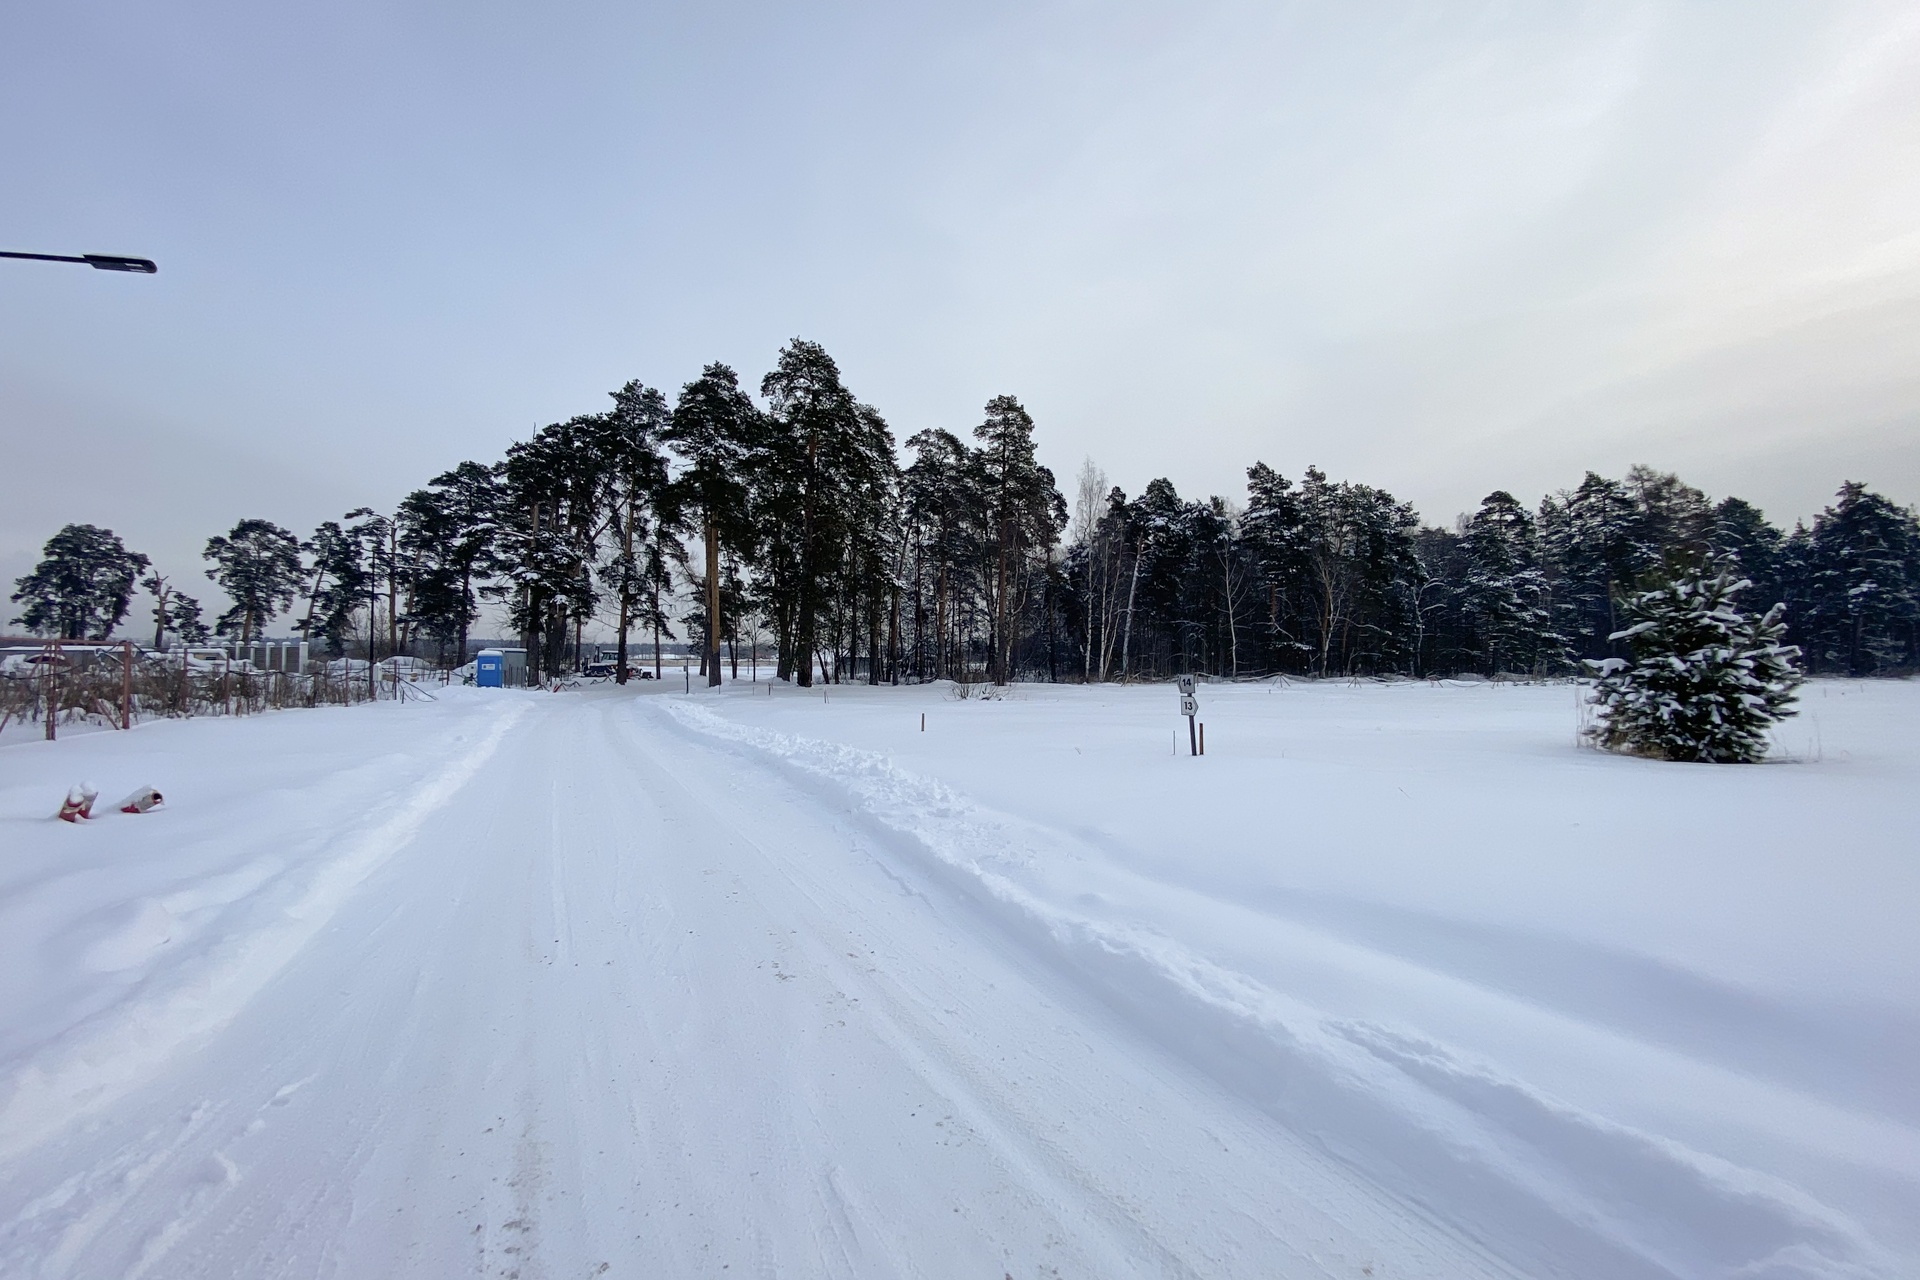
98, 261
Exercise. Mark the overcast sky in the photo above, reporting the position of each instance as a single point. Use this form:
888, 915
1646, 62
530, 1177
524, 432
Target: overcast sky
1441, 248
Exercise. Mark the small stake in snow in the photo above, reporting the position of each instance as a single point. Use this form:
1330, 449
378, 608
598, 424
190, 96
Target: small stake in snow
923, 722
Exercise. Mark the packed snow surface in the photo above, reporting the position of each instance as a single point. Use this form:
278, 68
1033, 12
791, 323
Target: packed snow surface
1397, 980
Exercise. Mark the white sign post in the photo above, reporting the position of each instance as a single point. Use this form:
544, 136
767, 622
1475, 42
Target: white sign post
1189, 707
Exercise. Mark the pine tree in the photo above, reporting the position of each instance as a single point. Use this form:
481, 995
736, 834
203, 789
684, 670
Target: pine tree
870, 547
258, 565
547, 537
636, 494
1227, 573
1275, 531
1358, 546
1740, 530
379, 538
942, 528
82, 585
446, 535
1704, 682
1162, 552
822, 452
1441, 639
1595, 546
1504, 597
1862, 581
715, 429
338, 587
184, 612
1673, 520
1024, 513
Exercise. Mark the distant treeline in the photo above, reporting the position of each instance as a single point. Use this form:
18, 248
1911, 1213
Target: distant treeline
791, 524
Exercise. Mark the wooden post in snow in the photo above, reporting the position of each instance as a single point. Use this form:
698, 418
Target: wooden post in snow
50, 661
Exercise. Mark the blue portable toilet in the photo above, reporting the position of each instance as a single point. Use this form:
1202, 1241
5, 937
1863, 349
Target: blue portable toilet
490, 669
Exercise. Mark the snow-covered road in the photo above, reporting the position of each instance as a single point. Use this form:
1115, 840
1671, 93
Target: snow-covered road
592, 1013
604, 984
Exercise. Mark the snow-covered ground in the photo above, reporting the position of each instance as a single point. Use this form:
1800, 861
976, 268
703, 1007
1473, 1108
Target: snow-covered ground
1397, 980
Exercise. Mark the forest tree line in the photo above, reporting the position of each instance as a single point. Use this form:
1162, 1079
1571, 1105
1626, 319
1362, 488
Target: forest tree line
792, 521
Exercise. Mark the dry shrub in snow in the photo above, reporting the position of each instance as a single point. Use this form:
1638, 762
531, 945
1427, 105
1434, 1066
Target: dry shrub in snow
1705, 681
965, 689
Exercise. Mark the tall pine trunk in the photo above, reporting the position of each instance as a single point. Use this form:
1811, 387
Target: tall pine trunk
941, 624
466, 609
626, 598
1086, 665
713, 603
893, 635
1126, 636
1000, 621
620, 646
803, 637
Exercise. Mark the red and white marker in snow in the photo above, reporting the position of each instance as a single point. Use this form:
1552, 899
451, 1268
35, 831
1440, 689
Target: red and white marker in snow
79, 802
143, 800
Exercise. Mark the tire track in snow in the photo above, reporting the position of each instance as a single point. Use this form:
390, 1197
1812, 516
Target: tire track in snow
1555, 1187
102, 1060
1097, 1223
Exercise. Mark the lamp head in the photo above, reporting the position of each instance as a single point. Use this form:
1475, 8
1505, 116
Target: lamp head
109, 262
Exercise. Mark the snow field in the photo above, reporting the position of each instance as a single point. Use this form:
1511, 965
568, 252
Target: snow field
1396, 978
1618, 1024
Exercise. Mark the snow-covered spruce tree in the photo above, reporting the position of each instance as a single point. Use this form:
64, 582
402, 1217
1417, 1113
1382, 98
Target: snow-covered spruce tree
1704, 681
